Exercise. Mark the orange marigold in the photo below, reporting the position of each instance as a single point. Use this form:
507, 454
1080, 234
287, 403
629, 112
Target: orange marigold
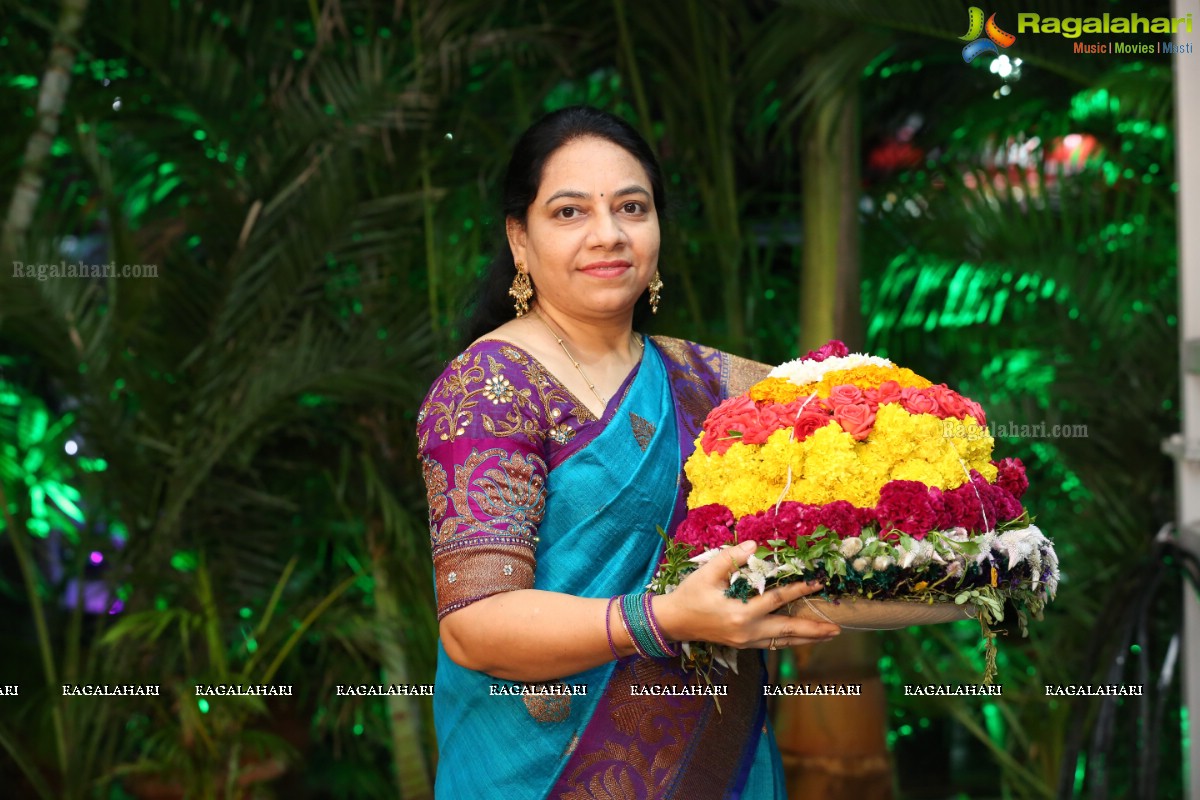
865, 377
776, 390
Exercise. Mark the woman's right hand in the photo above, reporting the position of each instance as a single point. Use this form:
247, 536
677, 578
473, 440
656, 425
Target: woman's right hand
698, 610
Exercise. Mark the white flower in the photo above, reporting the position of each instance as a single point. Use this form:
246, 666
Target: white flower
985, 547
801, 372
851, 546
757, 571
860, 564
921, 553
705, 557
955, 568
881, 563
1035, 566
957, 534
1018, 545
1052, 562
726, 657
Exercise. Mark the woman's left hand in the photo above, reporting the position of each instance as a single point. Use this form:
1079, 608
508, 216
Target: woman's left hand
698, 609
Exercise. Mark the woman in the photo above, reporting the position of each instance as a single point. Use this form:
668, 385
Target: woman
553, 448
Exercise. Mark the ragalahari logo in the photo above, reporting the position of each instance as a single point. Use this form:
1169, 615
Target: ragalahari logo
978, 44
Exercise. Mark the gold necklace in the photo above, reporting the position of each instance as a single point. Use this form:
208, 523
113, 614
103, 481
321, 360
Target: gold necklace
582, 374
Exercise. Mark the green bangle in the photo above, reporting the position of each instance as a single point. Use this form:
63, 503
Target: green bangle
639, 625
628, 631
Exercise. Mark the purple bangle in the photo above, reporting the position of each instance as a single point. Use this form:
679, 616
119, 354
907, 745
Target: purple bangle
658, 635
608, 627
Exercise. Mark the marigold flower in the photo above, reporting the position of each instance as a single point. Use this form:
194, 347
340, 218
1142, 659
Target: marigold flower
775, 390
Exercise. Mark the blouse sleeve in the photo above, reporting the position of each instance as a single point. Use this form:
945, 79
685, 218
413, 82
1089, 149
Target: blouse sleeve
481, 439
739, 374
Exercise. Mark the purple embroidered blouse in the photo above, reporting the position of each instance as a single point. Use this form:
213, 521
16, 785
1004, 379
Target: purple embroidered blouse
493, 425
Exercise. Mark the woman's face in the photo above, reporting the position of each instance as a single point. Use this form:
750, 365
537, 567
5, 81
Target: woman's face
591, 237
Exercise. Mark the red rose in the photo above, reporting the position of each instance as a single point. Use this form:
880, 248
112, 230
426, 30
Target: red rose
809, 423
737, 414
774, 417
917, 401
949, 401
856, 419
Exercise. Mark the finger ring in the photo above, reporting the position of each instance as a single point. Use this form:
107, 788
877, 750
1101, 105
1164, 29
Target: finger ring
772, 645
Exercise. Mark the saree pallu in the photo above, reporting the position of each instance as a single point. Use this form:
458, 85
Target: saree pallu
546, 496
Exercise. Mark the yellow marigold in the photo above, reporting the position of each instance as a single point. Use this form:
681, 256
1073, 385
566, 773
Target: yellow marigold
868, 376
775, 390
831, 465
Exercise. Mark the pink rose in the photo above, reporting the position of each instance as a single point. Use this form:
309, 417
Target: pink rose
846, 394
917, 401
888, 392
976, 411
856, 419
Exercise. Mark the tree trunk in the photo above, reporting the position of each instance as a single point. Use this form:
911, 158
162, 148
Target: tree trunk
829, 283
412, 774
834, 747
51, 98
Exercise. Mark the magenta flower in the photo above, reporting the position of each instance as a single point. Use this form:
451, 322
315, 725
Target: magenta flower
706, 527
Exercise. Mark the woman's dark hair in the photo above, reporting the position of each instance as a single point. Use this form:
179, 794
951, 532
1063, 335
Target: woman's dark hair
493, 307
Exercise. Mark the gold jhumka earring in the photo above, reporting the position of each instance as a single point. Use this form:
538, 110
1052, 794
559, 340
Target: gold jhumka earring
656, 286
521, 290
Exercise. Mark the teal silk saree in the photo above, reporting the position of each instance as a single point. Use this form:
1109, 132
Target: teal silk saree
527, 489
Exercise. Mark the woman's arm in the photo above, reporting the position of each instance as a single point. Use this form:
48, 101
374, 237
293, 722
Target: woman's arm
531, 635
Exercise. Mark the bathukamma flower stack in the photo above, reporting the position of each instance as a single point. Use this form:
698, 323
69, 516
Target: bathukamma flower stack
850, 469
